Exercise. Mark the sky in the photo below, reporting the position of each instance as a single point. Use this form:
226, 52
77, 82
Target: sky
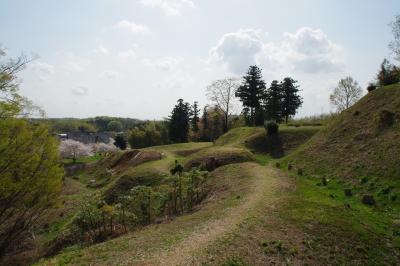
136, 58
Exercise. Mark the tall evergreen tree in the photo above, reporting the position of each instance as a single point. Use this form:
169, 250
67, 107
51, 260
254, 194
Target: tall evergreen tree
179, 122
195, 117
252, 91
205, 124
291, 101
273, 102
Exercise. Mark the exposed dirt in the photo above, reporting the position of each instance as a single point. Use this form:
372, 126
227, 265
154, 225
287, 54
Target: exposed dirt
189, 250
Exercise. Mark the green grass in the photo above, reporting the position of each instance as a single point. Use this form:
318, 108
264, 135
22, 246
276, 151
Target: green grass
365, 234
227, 182
88, 159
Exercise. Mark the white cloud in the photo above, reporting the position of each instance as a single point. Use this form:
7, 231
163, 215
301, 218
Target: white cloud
307, 50
80, 90
238, 50
169, 7
132, 27
311, 51
164, 63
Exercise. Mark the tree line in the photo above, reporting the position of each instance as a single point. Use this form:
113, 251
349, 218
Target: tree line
278, 102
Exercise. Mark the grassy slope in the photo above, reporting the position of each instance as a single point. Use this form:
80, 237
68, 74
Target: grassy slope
354, 145
237, 189
297, 222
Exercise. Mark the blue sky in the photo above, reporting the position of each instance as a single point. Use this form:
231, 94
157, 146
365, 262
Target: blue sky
135, 58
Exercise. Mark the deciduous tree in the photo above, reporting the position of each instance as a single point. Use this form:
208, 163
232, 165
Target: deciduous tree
72, 149
222, 93
345, 94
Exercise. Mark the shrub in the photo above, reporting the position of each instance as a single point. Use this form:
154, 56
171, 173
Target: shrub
271, 127
120, 142
371, 87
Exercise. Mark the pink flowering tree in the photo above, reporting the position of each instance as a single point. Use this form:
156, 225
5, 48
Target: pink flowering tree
71, 149
103, 148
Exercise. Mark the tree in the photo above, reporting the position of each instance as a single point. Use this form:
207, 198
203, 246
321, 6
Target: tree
30, 178
252, 91
179, 122
395, 44
273, 101
195, 117
115, 126
30, 173
104, 148
388, 74
12, 104
345, 94
120, 142
291, 101
222, 93
72, 149
204, 123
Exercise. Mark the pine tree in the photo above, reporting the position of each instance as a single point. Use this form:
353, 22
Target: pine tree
205, 124
291, 101
195, 117
252, 91
273, 102
179, 122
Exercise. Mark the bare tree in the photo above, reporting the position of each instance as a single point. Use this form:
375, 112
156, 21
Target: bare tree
395, 44
222, 94
345, 94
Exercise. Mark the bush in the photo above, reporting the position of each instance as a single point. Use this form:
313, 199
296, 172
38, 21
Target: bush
371, 87
271, 127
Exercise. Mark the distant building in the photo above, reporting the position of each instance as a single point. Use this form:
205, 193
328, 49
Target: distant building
87, 138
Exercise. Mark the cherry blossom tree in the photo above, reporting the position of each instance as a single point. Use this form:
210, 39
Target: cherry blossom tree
104, 148
72, 149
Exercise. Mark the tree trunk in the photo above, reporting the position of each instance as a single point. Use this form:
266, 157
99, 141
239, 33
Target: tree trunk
253, 122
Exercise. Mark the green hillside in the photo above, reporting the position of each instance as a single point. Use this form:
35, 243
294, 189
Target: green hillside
360, 148
256, 211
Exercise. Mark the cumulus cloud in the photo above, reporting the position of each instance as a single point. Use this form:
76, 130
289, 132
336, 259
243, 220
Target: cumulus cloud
307, 50
169, 7
80, 91
238, 50
311, 51
132, 27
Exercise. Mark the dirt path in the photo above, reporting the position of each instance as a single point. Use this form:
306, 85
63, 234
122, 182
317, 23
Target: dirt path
184, 253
